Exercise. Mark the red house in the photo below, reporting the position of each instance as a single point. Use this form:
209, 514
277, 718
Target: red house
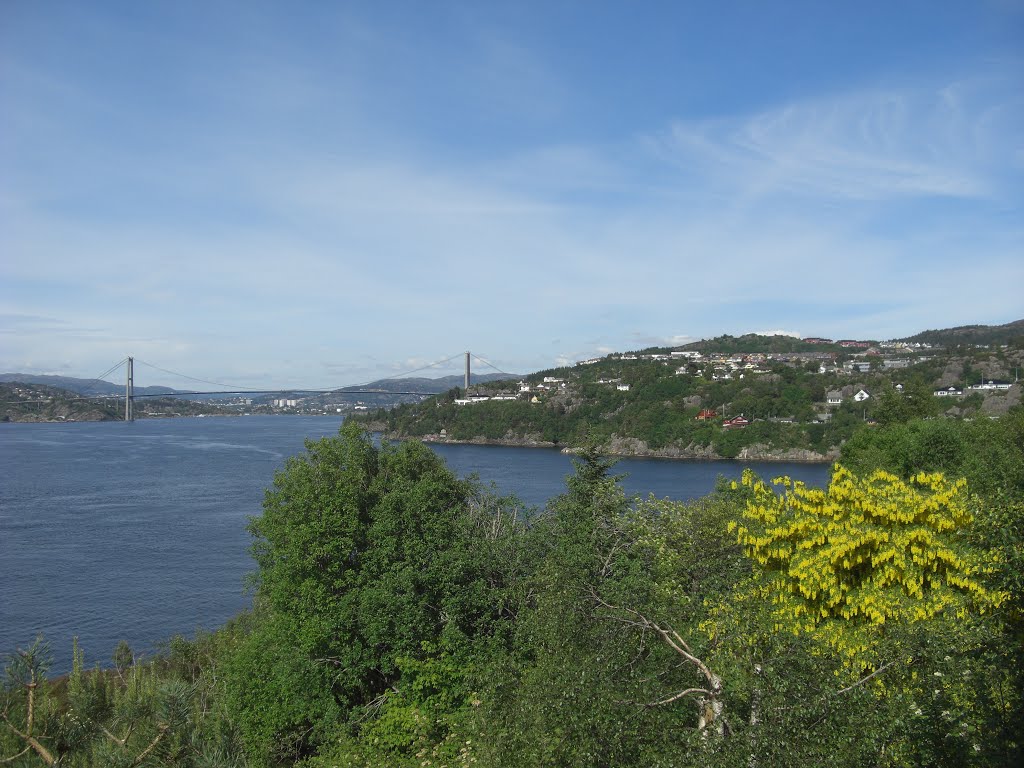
736, 422
707, 414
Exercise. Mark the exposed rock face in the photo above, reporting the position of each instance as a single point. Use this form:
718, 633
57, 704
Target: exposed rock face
998, 403
627, 446
758, 452
631, 446
952, 374
1002, 366
530, 441
694, 451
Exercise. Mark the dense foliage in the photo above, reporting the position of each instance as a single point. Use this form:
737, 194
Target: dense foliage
406, 617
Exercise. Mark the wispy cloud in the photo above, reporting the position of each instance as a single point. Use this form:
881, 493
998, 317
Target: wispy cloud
351, 198
873, 145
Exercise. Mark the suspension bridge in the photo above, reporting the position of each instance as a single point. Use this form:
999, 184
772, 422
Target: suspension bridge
130, 395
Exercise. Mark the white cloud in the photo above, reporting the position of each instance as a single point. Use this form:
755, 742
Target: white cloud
871, 145
310, 217
678, 340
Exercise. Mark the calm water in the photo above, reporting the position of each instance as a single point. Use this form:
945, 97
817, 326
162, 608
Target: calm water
115, 531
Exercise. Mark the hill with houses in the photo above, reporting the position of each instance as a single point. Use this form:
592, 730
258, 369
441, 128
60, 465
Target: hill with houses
751, 397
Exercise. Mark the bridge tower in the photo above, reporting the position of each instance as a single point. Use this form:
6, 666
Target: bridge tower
467, 374
129, 391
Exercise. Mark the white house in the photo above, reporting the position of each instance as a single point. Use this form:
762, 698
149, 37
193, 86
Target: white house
861, 396
992, 384
835, 397
857, 366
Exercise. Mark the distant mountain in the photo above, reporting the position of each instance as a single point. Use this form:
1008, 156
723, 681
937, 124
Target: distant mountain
1010, 333
21, 401
101, 387
386, 397
431, 386
392, 392
82, 386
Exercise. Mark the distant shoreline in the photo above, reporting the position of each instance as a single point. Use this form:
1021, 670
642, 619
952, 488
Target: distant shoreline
636, 449
162, 417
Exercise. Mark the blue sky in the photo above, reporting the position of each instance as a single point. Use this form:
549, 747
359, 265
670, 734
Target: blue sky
320, 194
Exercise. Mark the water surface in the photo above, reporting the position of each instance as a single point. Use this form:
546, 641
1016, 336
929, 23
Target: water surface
136, 531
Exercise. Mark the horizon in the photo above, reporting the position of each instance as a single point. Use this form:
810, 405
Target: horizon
252, 194
449, 375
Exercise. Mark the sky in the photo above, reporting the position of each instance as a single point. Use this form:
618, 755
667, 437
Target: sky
318, 194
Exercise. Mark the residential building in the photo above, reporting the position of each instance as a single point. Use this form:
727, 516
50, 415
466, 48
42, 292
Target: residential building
736, 422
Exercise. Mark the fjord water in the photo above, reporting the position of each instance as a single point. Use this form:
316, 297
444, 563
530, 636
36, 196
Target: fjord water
136, 531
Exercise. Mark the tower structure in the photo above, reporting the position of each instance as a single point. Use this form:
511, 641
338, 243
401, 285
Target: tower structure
129, 391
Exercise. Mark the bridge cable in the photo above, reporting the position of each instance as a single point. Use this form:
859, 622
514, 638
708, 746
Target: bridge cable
492, 365
193, 378
112, 368
399, 375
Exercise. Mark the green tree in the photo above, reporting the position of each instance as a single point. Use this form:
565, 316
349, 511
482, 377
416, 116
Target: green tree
137, 715
371, 561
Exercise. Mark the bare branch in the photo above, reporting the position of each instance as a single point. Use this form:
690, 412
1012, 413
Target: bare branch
28, 738
863, 680
680, 640
152, 745
12, 758
31, 704
671, 638
329, 660
11, 725
677, 696
113, 738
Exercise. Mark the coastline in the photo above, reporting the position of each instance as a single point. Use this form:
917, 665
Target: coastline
632, 447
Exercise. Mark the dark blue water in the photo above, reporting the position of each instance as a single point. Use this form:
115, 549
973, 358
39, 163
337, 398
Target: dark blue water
113, 531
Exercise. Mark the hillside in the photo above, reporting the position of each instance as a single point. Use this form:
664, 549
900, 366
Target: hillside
39, 402
81, 386
972, 334
797, 400
22, 402
385, 393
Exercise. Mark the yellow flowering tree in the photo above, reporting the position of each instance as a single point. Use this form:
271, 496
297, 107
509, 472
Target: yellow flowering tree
842, 562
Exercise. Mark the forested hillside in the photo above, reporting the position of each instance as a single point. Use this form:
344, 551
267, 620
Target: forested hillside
797, 398
405, 617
